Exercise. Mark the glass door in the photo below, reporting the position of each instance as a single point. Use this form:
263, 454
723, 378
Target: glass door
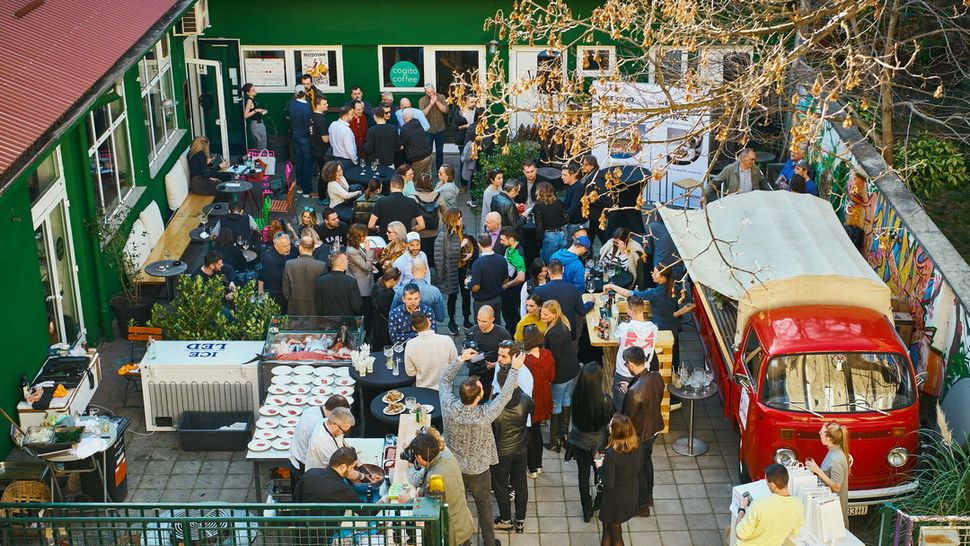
55, 252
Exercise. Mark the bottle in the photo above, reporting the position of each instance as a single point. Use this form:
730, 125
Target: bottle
436, 487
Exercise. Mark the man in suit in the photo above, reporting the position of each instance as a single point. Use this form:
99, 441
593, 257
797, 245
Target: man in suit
527, 184
741, 176
300, 280
337, 292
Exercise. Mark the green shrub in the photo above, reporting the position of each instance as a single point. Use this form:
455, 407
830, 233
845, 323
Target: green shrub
929, 165
943, 474
197, 313
509, 163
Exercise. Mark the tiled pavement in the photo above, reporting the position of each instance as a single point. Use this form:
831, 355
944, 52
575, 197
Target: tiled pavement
691, 494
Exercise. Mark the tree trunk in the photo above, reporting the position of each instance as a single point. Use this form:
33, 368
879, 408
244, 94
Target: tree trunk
886, 87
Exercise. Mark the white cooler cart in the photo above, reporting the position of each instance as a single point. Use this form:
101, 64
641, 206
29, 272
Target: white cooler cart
180, 376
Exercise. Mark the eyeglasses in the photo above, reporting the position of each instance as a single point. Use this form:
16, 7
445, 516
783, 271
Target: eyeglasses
507, 344
307, 209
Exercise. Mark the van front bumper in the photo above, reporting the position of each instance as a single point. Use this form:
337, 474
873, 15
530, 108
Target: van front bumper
881, 495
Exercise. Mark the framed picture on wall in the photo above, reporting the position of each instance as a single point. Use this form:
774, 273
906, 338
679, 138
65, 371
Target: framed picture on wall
275, 69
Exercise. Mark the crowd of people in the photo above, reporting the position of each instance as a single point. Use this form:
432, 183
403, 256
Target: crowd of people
400, 253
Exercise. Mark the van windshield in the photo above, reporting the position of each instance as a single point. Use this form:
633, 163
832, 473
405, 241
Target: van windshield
838, 382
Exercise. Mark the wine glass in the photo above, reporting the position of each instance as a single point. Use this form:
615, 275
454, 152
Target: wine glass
374, 165
590, 286
398, 351
410, 403
361, 163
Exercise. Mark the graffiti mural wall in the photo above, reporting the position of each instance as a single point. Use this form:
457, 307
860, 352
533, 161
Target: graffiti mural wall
940, 340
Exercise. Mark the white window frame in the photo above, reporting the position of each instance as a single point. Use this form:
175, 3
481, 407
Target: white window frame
595, 73
93, 152
58, 181
430, 76
714, 70
292, 70
159, 151
656, 55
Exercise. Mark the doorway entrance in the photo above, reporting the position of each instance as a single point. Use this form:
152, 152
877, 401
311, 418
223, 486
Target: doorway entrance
58, 268
525, 64
220, 96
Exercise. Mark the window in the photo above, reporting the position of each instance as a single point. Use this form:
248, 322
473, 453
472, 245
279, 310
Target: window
157, 96
839, 382
109, 155
672, 64
275, 69
753, 357
593, 61
409, 68
44, 176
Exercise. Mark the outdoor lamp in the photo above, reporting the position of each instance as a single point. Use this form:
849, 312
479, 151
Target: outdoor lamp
493, 46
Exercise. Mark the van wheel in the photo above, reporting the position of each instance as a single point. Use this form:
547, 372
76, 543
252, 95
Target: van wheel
743, 474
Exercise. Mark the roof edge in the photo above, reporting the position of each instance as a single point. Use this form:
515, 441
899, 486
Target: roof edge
63, 124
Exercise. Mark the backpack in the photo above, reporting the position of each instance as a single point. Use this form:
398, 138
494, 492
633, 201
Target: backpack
429, 211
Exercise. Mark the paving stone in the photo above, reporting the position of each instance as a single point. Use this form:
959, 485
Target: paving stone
186, 467
554, 538
212, 482
553, 524
153, 481
235, 495
716, 475
240, 467
692, 490
238, 481
175, 495
697, 506
220, 455
706, 538
215, 467
524, 539
584, 538
645, 538
577, 525
663, 477
544, 494
638, 524
164, 454
146, 496
182, 481
666, 506
550, 508
702, 523
674, 538
671, 522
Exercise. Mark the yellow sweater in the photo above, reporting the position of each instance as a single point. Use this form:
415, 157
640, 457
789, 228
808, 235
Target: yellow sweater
769, 521
527, 320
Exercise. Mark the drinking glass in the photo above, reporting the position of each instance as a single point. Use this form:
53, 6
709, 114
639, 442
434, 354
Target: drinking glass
389, 354
591, 286
361, 163
410, 403
374, 165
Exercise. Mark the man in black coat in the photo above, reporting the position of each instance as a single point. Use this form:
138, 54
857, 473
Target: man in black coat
270, 278
528, 182
569, 297
382, 140
414, 140
337, 292
504, 204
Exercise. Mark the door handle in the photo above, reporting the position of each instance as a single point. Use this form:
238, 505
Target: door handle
218, 122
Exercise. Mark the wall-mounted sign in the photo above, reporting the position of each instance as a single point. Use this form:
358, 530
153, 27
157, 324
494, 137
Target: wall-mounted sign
405, 74
266, 72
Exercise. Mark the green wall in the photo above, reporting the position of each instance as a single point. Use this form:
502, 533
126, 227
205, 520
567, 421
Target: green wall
359, 30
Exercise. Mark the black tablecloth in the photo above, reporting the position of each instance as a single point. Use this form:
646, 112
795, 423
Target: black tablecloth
423, 396
381, 377
166, 268
353, 174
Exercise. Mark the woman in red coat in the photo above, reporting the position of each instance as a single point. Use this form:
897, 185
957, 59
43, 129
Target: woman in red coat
540, 362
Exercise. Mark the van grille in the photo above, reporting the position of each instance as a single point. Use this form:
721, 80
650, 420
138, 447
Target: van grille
854, 435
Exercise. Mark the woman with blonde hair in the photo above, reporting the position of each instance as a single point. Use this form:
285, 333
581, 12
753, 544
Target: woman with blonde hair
204, 172
559, 341
307, 226
338, 190
396, 244
621, 464
447, 256
834, 471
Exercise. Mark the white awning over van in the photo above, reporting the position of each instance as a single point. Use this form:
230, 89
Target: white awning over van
774, 249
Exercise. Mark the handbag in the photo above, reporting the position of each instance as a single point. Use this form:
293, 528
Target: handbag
266, 158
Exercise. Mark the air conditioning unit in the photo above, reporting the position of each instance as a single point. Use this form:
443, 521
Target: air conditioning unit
195, 21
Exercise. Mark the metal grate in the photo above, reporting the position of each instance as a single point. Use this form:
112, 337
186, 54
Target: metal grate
169, 400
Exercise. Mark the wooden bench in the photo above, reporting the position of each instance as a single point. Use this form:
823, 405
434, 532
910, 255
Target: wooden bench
176, 238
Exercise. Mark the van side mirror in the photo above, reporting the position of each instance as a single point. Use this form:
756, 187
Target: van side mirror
920, 379
743, 381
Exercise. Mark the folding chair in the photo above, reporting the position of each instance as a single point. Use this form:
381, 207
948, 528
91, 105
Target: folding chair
284, 206
131, 372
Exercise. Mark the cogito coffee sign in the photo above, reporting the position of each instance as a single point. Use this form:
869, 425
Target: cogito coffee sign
405, 74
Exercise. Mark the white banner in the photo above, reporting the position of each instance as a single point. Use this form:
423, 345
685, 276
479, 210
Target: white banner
266, 72
674, 143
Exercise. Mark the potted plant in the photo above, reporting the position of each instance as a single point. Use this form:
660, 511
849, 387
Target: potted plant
131, 305
200, 312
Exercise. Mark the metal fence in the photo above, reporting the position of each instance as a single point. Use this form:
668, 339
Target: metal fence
897, 528
421, 524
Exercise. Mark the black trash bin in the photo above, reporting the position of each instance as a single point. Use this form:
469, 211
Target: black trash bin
204, 430
115, 471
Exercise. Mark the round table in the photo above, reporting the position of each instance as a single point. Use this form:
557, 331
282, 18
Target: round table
235, 187
196, 234
690, 446
382, 378
354, 175
764, 157
216, 209
168, 269
423, 396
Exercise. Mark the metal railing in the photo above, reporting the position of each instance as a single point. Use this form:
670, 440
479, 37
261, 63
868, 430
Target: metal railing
423, 523
897, 528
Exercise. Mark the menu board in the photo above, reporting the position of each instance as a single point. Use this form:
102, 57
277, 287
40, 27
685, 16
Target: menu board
266, 72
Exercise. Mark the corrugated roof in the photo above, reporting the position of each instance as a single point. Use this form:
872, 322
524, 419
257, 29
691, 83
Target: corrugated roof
54, 53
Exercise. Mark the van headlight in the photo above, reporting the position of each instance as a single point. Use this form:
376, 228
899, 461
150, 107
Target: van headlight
897, 457
785, 456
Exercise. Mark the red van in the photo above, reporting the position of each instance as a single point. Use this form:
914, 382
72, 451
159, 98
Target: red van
798, 331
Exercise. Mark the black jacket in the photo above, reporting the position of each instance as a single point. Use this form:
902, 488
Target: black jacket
239, 224
338, 295
524, 187
511, 434
569, 298
324, 486
415, 141
560, 344
505, 206
382, 142
642, 404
